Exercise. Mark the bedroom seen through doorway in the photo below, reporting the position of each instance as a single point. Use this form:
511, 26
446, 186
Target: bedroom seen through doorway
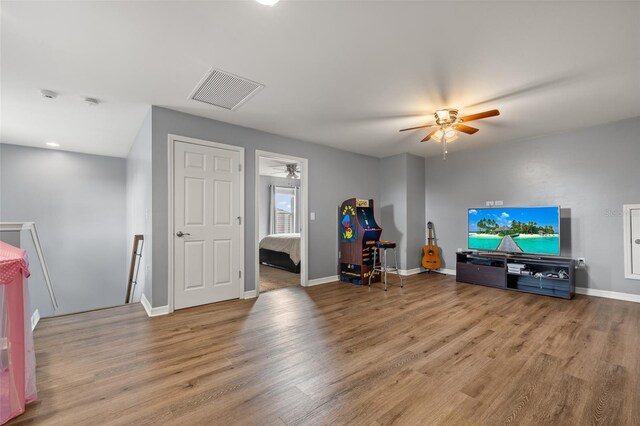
280, 222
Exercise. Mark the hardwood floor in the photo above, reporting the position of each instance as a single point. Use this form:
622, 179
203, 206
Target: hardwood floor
435, 352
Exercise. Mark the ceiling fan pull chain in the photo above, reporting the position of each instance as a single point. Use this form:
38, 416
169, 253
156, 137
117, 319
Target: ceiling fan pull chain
444, 145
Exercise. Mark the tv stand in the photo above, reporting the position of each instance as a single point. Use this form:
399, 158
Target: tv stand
518, 272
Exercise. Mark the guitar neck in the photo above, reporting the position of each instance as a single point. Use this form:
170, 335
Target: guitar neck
430, 236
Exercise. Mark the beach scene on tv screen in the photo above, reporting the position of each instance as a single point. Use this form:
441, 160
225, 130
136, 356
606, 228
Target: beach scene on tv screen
515, 230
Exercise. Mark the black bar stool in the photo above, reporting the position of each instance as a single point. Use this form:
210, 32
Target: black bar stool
384, 267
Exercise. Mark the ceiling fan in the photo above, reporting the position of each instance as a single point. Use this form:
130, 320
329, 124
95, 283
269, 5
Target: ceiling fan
292, 169
449, 125
280, 169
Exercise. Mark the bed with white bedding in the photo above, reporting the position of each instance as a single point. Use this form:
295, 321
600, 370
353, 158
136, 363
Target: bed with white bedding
281, 251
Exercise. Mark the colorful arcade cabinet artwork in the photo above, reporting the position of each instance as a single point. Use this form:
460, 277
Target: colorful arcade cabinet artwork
359, 233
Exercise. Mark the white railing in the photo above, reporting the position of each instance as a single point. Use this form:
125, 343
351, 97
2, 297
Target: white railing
31, 226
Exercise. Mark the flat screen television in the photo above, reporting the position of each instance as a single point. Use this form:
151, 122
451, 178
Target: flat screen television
532, 230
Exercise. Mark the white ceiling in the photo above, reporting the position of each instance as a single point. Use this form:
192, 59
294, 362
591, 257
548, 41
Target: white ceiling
344, 74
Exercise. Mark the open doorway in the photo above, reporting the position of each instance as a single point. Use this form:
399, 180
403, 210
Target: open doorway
281, 206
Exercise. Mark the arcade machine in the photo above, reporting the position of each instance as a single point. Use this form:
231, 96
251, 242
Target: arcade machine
359, 233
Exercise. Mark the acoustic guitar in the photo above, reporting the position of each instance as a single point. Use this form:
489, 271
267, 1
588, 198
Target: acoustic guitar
431, 259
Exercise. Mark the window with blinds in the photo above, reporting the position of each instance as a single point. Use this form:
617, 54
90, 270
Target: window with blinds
285, 210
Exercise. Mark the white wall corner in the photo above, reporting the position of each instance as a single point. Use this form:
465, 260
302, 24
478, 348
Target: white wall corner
325, 280
628, 297
151, 311
251, 294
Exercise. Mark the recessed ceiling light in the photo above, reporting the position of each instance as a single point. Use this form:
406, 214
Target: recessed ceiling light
268, 2
48, 94
53, 144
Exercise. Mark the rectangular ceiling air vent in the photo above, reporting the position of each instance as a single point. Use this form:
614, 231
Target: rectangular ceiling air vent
224, 90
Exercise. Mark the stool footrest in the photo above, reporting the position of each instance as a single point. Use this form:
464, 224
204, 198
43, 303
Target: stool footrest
382, 247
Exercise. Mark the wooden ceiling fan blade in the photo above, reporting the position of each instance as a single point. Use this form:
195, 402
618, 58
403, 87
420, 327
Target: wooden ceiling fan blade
426, 138
480, 115
465, 129
419, 127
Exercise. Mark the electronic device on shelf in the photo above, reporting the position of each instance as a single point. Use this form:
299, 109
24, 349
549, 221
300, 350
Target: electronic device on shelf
515, 230
551, 276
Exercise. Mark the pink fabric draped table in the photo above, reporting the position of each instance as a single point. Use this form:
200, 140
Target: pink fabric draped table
17, 358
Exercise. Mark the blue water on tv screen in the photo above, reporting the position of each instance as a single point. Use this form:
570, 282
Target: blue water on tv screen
515, 229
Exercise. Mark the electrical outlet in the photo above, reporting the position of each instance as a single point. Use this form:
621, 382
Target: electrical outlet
458, 250
313, 216
489, 203
499, 203
582, 262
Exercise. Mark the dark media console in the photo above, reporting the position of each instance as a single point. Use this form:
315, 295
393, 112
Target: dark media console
549, 276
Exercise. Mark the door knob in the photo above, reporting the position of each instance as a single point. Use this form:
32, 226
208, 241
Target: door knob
637, 241
182, 234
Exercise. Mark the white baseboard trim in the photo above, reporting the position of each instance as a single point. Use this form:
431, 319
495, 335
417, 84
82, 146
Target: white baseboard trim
35, 318
407, 272
151, 311
251, 294
447, 271
608, 294
325, 280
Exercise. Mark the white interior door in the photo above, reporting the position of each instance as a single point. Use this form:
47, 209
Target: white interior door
635, 241
207, 225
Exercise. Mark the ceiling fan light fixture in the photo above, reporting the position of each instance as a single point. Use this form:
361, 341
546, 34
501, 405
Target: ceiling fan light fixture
448, 126
442, 114
448, 132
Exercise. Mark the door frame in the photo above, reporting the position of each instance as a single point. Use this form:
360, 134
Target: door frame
304, 214
172, 139
628, 243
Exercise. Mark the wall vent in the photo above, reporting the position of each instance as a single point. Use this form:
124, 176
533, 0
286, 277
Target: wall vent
224, 90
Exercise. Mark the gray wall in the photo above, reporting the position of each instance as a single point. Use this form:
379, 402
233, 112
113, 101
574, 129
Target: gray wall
590, 173
78, 204
334, 176
393, 203
265, 195
402, 195
416, 223
13, 238
139, 193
